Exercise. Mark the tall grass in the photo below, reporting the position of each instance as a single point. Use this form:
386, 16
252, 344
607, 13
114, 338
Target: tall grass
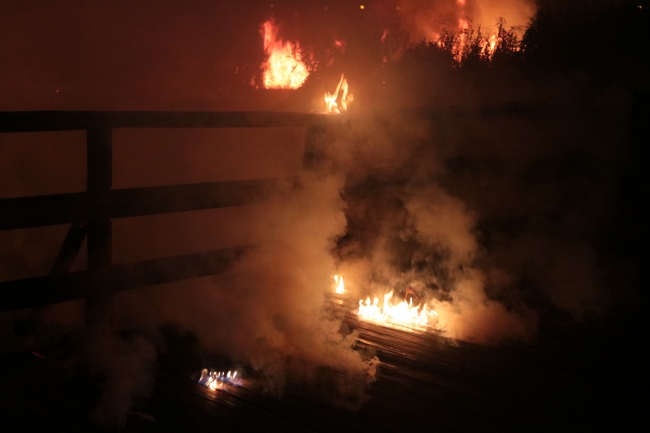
591, 35
475, 46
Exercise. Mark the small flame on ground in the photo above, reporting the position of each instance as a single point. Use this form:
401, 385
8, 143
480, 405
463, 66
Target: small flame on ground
218, 380
403, 313
331, 98
340, 285
284, 68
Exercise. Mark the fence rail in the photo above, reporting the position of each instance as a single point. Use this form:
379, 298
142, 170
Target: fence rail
90, 212
24, 212
45, 290
36, 121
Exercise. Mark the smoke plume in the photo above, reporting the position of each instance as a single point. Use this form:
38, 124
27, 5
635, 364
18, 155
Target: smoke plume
267, 311
493, 220
127, 366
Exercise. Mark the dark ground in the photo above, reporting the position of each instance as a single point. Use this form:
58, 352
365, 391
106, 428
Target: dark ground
573, 378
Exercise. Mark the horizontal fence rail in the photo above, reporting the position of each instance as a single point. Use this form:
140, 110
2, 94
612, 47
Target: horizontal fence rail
45, 290
90, 213
38, 121
24, 212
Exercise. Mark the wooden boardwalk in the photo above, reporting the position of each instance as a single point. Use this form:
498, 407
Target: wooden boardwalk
572, 379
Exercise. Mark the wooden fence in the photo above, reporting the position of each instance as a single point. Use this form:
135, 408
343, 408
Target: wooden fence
90, 213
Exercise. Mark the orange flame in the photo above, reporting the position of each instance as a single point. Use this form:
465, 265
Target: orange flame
489, 46
340, 285
332, 98
284, 68
402, 314
459, 49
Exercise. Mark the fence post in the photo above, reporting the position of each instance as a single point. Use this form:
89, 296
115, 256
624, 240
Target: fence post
99, 296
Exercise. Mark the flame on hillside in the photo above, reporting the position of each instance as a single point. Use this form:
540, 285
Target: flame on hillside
466, 27
283, 68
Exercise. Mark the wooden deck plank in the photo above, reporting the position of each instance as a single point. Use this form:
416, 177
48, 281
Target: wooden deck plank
423, 382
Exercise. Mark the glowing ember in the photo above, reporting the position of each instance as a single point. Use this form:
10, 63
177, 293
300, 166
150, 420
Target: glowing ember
283, 68
218, 380
403, 313
340, 285
331, 98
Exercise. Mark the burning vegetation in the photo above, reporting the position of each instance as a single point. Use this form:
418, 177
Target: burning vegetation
284, 67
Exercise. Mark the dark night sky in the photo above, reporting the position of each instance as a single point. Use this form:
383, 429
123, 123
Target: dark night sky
113, 53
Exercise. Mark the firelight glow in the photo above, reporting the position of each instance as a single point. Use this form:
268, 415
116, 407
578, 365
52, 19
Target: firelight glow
489, 46
284, 68
340, 285
458, 45
331, 98
402, 314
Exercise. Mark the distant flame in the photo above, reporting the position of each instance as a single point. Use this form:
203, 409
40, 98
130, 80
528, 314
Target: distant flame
331, 98
284, 68
463, 27
489, 46
468, 29
340, 285
403, 313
